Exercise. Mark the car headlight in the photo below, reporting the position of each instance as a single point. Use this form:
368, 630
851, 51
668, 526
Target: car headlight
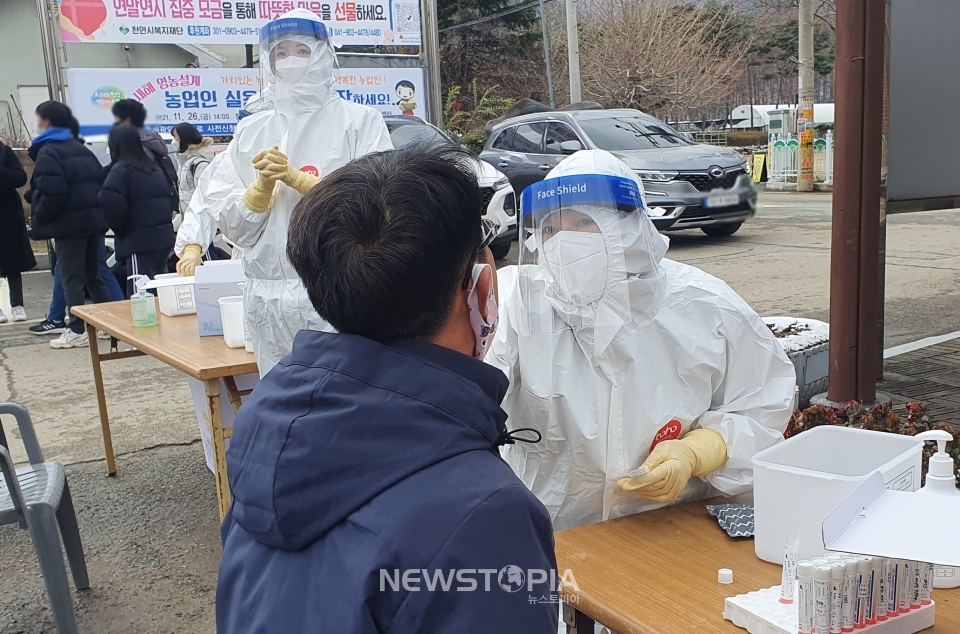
502, 183
657, 177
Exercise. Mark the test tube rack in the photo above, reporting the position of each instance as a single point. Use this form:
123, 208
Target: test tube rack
760, 612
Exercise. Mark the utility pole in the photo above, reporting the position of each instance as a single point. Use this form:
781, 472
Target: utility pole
805, 118
430, 58
573, 51
546, 53
51, 54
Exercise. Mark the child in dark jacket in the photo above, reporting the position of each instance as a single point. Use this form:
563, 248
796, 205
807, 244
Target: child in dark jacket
136, 203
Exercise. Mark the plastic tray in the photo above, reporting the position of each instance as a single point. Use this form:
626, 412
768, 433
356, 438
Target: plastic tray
760, 612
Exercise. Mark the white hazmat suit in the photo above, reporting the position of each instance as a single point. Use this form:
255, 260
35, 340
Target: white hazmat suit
317, 132
611, 349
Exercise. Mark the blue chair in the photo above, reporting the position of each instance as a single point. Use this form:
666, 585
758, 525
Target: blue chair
37, 498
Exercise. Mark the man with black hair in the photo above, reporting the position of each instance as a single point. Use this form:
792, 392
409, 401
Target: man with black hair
133, 113
368, 491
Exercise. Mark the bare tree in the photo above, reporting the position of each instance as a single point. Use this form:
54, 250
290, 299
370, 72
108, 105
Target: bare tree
660, 56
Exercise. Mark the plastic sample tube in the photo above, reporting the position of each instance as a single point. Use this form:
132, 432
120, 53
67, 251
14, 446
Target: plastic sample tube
893, 587
805, 600
906, 579
849, 593
789, 573
837, 581
874, 599
881, 575
821, 594
919, 573
926, 590
864, 583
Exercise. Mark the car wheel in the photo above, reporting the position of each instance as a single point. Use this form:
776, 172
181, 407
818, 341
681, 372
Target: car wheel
500, 250
721, 231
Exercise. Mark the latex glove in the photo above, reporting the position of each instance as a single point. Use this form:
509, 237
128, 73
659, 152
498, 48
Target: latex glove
665, 473
190, 259
274, 164
258, 195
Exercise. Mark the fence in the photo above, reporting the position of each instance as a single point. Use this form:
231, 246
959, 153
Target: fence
784, 155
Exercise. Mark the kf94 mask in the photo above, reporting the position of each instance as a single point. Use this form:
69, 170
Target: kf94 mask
483, 329
578, 261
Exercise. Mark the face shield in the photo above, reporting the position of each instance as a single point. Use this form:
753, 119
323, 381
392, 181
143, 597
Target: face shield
297, 57
588, 252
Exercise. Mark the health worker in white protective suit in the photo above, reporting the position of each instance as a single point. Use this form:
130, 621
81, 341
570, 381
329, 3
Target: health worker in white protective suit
650, 381
275, 157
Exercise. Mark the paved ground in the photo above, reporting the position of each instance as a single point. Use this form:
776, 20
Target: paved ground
151, 533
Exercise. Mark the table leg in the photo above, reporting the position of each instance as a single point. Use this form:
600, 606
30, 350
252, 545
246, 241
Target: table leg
101, 400
218, 440
577, 622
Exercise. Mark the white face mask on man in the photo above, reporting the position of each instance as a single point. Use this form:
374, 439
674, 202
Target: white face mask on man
483, 329
578, 261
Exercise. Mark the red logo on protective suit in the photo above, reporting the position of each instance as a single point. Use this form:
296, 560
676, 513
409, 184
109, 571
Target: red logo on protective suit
310, 169
670, 431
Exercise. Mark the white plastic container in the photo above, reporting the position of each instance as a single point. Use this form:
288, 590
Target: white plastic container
175, 294
231, 314
801, 481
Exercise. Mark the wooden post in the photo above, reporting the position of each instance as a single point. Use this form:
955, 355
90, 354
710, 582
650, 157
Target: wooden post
218, 442
101, 400
854, 258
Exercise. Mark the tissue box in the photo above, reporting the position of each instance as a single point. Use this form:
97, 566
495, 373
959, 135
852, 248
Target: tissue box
212, 281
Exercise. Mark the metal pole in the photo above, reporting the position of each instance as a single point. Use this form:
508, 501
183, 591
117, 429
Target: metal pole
854, 255
805, 120
51, 56
573, 51
546, 54
249, 53
430, 50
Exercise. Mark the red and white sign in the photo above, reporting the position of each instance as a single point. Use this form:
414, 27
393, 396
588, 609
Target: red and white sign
670, 431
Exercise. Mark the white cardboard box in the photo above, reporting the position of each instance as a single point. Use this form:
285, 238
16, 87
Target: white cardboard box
877, 521
212, 281
227, 413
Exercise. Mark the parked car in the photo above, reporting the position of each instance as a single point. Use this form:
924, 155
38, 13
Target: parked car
498, 196
687, 185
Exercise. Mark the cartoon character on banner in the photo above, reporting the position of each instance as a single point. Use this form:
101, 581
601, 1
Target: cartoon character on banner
405, 92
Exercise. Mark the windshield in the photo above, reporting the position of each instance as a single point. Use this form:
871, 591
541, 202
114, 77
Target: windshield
408, 133
631, 133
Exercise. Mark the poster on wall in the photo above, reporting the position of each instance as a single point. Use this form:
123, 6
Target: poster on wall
360, 23
211, 98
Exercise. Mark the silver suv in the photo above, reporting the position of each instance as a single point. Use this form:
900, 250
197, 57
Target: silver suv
687, 185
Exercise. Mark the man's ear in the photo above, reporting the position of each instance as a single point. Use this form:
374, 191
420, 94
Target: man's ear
486, 284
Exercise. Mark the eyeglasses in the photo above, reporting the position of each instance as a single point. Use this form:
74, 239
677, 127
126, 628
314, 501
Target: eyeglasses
490, 230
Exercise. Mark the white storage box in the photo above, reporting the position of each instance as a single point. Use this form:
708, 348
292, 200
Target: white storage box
214, 280
799, 482
175, 294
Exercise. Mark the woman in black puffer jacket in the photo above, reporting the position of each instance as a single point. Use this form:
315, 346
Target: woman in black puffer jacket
136, 202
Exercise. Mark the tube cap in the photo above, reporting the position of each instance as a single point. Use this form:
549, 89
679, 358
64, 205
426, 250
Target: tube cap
821, 573
838, 570
805, 569
725, 576
864, 564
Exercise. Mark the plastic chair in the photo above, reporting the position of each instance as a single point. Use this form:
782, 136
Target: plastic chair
37, 498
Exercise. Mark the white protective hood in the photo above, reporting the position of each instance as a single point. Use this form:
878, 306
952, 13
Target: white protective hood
319, 132
665, 349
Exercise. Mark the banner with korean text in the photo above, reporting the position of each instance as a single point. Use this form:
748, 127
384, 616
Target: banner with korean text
361, 22
211, 98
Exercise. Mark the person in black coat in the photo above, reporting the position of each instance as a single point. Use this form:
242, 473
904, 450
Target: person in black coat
16, 256
136, 202
65, 184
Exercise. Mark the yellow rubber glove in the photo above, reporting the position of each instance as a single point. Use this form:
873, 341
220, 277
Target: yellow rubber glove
190, 259
274, 164
665, 473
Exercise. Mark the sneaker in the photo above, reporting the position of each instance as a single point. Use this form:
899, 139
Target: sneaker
19, 314
102, 335
3, 318
70, 339
48, 327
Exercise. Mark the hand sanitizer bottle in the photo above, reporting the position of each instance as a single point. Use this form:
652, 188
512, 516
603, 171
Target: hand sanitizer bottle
143, 305
941, 481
